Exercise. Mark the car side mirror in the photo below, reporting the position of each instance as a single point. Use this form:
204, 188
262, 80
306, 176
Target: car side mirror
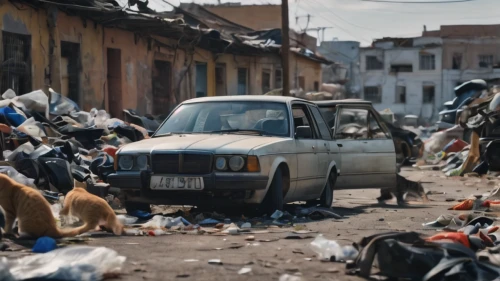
303, 132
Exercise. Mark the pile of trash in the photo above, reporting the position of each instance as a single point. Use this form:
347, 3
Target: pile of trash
48, 142
145, 224
466, 248
473, 145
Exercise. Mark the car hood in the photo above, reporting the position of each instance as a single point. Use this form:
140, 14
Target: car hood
216, 143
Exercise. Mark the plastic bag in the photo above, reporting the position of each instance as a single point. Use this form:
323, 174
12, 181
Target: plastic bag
18, 177
70, 263
36, 101
168, 222
326, 249
124, 219
60, 104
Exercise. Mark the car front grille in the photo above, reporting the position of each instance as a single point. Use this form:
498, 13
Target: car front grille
185, 163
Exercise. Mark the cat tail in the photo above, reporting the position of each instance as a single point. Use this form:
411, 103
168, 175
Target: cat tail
71, 232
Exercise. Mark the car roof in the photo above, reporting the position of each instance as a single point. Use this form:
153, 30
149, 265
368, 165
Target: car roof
282, 99
345, 101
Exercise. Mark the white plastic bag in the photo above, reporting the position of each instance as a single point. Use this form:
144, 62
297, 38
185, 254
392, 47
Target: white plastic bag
36, 100
70, 263
124, 219
325, 248
328, 248
18, 177
161, 221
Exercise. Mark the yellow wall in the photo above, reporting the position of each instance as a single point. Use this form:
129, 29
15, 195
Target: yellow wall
137, 61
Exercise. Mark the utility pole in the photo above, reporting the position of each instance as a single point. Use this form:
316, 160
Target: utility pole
285, 47
318, 29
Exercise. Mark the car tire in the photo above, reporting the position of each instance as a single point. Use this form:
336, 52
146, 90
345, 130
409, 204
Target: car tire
131, 207
326, 199
274, 197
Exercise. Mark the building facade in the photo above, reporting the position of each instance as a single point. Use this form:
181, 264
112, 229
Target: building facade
116, 59
469, 52
345, 70
405, 75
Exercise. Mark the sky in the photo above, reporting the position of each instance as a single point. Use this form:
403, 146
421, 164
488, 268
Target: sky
363, 21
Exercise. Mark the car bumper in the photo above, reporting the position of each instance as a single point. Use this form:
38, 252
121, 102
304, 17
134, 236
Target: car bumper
218, 187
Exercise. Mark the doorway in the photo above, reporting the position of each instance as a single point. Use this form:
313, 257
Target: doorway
162, 87
201, 79
70, 70
115, 82
220, 80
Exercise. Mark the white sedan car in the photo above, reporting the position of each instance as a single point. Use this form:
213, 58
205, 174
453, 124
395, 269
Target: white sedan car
257, 150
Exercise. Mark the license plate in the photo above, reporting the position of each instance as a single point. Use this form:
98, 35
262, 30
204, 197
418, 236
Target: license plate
176, 183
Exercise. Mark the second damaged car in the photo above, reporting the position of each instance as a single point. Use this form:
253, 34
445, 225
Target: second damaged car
262, 151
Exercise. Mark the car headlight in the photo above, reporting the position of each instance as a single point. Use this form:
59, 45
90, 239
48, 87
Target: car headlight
221, 163
141, 162
126, 162
236, 163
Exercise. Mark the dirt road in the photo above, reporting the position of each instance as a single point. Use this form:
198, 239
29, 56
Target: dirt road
186, 257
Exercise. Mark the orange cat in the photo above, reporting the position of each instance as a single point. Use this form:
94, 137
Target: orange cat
32, 211
92, 210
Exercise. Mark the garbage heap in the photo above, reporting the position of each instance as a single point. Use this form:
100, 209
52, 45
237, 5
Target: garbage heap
471, 146
47, 142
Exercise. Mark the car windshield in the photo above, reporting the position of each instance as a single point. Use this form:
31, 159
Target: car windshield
241, 117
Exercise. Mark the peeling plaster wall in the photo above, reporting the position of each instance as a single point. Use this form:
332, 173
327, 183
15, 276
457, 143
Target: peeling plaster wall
137, 60
28, 21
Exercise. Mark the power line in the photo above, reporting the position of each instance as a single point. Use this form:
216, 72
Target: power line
342, 19
339, 27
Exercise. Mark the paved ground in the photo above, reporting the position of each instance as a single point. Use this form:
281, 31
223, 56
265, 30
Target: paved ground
163, 258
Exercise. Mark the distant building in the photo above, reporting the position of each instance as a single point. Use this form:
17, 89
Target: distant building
404, 74
261, 17
345, 70
469, 52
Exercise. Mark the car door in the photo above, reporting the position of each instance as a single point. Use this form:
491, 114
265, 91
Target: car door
307, 158
380, 150
324, 149
351, 137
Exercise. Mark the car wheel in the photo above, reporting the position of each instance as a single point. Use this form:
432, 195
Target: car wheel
131, 207
326, 199
274, 197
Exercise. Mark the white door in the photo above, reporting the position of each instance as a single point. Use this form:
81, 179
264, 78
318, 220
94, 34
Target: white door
380, 150
307, 157
324, 149
351, 137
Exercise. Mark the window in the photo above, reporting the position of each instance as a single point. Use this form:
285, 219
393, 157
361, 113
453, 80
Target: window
329, 114
266, 81
427, 62
16, 67
352, 124
301, 118
316, 86
323, 128
278, 79
402, 68
373, 63
428, 92
485, 61
400, 94
376, 131
242, 81
457, 61
372, 93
